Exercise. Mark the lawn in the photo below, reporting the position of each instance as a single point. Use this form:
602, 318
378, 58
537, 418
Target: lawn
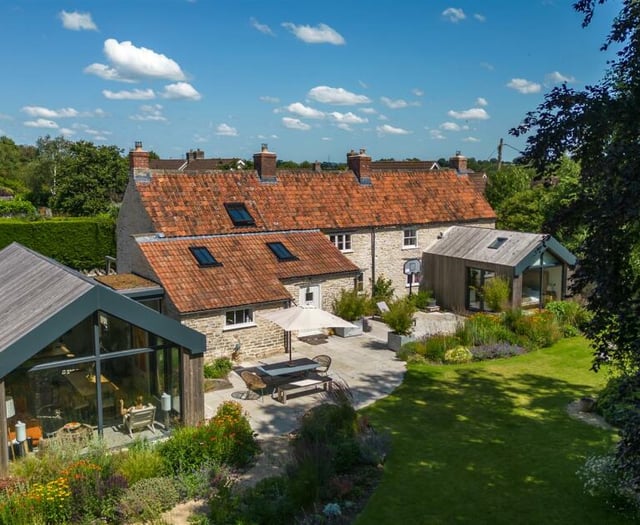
491, 442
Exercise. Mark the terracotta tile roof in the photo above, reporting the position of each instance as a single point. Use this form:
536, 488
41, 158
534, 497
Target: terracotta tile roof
125, 281
188, 203
250, 272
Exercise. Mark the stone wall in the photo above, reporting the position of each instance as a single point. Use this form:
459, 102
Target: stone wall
259, 339
390, 253
132, 220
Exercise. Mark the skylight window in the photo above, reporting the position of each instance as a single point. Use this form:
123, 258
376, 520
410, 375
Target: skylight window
281, 251
499, 241
203, 256
239, 214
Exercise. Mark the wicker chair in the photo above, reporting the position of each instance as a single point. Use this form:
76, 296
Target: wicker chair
325, 363
254, 383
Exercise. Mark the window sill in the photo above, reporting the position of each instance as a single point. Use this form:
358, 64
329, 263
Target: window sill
410, 247
232, 327
346, 251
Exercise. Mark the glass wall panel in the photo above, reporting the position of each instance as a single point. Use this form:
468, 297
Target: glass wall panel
57, 391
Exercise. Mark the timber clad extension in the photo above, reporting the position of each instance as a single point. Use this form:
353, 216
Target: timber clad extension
344, 226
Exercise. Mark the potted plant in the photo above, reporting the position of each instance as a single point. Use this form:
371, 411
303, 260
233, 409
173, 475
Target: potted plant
399, 318
350, 306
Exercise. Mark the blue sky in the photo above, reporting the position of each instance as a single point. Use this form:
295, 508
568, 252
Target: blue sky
313, 80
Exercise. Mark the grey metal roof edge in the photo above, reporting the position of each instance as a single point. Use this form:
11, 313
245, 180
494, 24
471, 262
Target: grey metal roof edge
46, 332
547, 243
140, 315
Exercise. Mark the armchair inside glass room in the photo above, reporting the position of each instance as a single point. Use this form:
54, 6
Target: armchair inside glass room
70, 385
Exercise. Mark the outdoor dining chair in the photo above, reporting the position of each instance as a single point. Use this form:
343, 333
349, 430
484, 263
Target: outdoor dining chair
253, 382
325, 363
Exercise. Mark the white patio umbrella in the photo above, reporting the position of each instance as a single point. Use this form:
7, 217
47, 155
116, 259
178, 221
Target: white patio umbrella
305, 317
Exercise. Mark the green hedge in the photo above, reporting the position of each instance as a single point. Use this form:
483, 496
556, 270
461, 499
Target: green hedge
79, 242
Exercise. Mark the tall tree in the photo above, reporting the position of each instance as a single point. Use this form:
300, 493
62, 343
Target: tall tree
90, 179
599, 128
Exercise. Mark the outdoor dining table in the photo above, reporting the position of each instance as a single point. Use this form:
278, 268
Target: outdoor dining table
295, 366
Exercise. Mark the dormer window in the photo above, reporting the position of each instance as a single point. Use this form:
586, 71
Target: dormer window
239, 214
203, 256
281, 251
499, 241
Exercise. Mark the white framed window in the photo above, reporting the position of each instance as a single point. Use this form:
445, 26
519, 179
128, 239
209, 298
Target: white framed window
410, 238
412, 279
342, 241
238, 318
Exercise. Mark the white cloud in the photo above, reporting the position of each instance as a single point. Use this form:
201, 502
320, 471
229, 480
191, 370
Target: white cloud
130, 63
321, 34
436, 134
77, 21
481, 101
469, 114
226, 131
368, 111
336, 96
327, 139
41, 123
95, 133
180, 90
38, 111
558, 78
524, 86
347, 118
470, 139
149, 113
453, 14
479, 17
263, 28
344, 126
417, 92
294, 123
394, 104
66, 132
386, 129
304, 111
487, 66
5, 117
450, 126
270, 100
135, 94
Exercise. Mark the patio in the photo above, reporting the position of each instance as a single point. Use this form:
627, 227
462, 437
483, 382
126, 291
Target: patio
363, 362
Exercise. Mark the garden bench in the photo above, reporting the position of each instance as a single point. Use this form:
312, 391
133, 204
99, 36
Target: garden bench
309, 383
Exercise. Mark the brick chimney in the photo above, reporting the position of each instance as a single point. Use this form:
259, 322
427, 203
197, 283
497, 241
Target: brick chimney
139, 161
265, 164
360, 164
458, 163
195, 155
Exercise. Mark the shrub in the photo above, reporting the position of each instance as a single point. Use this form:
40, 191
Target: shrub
225, 438
350, 305
458, 355
496, 351
421, 299
147, 499
139, 463
482, 329
538, 330
218, 369
619, 399
571, 316
399, 318
436, 346
382, 291
496, 293
601, 478
17, 208
269, 502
